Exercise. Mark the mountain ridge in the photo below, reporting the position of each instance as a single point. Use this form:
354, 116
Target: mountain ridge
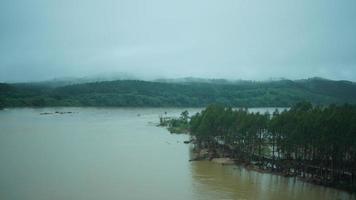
187, 93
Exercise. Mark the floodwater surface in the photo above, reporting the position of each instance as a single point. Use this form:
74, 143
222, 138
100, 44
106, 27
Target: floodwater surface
116, 153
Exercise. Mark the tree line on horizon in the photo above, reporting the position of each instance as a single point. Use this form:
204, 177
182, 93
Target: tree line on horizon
134, 93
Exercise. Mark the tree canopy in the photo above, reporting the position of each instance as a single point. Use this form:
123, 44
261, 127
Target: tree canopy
123, 93
314, 142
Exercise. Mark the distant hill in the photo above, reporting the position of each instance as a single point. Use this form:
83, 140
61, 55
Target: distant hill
59, 82
180, 93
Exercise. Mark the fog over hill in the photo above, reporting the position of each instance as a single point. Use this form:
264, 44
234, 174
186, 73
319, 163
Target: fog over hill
232, 39
188, 92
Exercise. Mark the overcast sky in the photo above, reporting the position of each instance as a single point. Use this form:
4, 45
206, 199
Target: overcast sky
234, 39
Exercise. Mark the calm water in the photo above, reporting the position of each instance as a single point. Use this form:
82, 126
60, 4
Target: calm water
110, 153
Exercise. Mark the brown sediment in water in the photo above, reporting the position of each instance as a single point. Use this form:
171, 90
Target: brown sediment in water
223, 161
217, 156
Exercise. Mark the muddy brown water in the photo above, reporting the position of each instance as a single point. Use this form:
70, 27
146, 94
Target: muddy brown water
116, 153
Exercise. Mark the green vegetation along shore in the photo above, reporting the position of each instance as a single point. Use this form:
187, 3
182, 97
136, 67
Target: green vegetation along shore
134, 93
316, 144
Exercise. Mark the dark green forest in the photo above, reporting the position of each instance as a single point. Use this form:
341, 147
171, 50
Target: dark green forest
315, 143
135, 93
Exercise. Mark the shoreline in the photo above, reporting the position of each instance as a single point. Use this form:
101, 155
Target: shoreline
204, 154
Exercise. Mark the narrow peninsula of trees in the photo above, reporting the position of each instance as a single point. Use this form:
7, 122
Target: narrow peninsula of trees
315, 143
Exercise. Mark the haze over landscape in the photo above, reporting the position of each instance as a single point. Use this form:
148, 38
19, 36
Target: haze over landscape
233, 39
184, 99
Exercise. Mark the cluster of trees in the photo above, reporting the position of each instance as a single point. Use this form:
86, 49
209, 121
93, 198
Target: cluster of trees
283, 93
316, 143
176, 125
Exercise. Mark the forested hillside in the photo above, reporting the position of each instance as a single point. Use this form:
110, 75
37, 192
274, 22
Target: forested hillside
180, 94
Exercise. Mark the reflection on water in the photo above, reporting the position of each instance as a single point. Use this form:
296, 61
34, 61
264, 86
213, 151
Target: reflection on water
234, 182
111, 153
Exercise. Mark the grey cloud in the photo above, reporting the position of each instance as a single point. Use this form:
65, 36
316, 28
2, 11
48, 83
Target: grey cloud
225, 39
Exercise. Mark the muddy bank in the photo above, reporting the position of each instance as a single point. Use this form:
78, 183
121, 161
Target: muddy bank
206, 154
220, 156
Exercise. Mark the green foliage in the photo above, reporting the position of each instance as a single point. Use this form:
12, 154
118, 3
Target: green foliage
319, 142
176, 125
189, 94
